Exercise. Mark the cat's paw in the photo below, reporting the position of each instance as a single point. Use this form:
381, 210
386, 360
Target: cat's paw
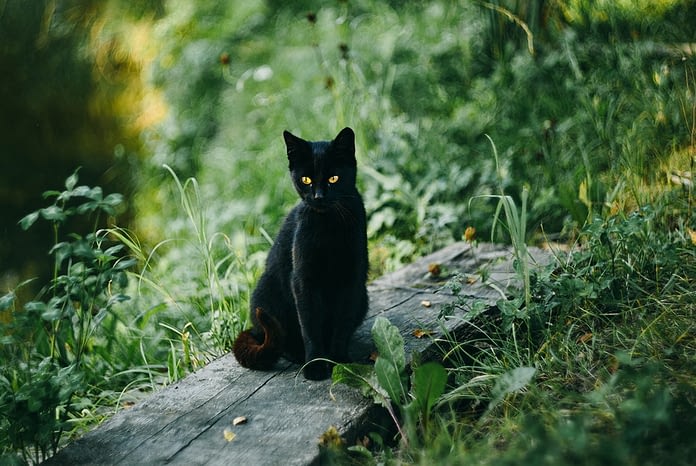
317, 370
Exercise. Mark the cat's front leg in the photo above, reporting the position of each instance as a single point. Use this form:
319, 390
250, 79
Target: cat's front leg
349, 315
311, 317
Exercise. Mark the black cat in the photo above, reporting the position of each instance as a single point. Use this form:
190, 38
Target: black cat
312, 294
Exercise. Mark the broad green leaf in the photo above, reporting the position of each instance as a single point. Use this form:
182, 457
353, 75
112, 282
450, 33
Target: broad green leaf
53, 213
362, 377
86, 191
113, 199
83, 250
361, 451
428, 384
353, 375
389, 342
96, 194
87, 207
391, 380
390, 365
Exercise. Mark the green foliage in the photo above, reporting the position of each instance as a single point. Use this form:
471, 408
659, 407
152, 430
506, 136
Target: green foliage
51, 346
637, 417
422, 84
195, 284
605, 370
390, 365
387, 382
579, 96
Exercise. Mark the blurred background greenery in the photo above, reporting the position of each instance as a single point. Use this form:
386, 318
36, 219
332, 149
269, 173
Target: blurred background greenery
180, 106
579, 96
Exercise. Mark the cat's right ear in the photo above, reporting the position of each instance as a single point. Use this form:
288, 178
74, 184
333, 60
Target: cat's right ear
294, 145
292, 142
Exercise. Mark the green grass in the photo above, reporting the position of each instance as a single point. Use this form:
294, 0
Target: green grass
590, 110
612, 344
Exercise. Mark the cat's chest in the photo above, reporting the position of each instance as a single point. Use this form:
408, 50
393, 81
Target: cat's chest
325, 240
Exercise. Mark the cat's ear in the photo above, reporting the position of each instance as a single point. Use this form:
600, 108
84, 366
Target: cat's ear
344, 143
294, 145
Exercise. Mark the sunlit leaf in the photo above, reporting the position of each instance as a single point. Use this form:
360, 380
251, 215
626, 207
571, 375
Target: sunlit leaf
113, 250
71, 181
390, 365
511, 382
389, 342
28, 220
7, 301
53, 213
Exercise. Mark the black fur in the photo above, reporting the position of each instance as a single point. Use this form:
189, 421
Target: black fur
314, 282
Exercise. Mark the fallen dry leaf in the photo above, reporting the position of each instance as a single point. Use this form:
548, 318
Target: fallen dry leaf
469, 234
585, 338
426, 303
239, 420
229, 435
434, 269
420, 333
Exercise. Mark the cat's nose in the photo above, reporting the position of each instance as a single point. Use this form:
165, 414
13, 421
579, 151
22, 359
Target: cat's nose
318, 194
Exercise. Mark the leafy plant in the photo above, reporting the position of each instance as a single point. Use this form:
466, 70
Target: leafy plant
203, 307
47, 345
409, 402
609, 354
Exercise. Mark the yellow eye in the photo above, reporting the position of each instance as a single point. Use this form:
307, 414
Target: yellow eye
306, 180
333, 179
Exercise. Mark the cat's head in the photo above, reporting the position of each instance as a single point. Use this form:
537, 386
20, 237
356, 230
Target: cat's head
323, 172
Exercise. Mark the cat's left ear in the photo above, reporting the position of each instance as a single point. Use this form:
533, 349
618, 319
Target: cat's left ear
344, 143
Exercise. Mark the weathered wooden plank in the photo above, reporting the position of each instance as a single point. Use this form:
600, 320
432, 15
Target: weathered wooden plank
286, 414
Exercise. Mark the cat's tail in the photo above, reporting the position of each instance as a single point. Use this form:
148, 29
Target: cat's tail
254, 354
